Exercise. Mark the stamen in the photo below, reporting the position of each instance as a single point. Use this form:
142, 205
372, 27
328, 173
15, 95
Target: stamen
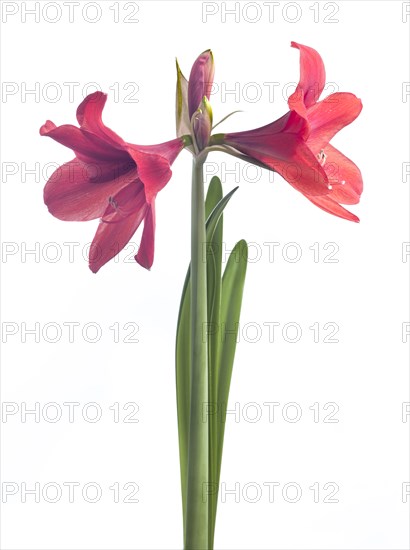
123, 214
334, 182
113, 203
322, 157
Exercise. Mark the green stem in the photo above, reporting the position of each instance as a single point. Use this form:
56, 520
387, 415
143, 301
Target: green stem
197, 519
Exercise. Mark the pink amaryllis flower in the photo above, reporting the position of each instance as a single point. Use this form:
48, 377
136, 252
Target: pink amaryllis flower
297, 145
108, 179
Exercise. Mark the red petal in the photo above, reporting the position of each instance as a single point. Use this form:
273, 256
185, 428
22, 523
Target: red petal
329, 116
118, 225
327, 204
89, 116
145, 256
169, 149
153, 162
290, 123
341, 169
288, 155
86, 146
78, 191
301, 168
153, 170
312, 80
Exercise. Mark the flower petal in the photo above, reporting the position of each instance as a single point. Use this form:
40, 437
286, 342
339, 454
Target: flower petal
153, 170
79, 191
312, 80
153, 162
329, 116
296, 164
89, 116
86, 146
200, 80
145, 256
284, 152
290, 123
118, 225
329, 205
344, 177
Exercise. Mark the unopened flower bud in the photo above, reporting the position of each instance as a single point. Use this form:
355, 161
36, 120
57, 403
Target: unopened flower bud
202, 124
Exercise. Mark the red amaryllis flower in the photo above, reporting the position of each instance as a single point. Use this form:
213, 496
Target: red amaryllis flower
324, 119
297, 145
108, 179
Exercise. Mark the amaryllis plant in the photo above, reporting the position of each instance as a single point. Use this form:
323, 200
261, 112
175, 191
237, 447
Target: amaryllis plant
117, 182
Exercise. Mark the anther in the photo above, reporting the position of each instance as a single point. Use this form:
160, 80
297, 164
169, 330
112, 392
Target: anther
113, 203
321, 157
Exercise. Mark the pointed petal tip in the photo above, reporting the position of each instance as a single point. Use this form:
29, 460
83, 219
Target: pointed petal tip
87, 112
143, 262
47, 127
331, 206
298, 45
96, 95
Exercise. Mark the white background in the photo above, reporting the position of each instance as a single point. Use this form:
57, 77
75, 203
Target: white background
365, 49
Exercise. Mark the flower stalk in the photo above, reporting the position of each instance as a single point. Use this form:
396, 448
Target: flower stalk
196, 536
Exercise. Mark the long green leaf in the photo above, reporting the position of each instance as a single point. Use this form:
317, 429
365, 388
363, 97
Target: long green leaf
231, 301
183, 385
214, 284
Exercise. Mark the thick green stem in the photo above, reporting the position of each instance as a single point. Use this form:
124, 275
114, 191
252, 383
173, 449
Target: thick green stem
197, 518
